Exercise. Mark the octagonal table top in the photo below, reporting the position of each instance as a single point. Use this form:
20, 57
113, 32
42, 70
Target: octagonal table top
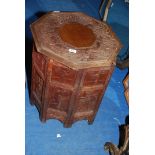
75, 39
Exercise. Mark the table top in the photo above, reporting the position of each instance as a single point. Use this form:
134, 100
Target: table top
75, 39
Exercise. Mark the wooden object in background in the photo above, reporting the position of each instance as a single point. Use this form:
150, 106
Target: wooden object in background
123, 63
72, 61
105, 4
126, 87
124, 148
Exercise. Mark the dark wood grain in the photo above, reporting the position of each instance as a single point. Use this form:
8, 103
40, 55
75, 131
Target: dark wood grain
95, 43
66, 94
70, 86
77, 35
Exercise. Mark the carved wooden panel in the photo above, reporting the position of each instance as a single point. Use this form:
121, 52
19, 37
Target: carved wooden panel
40, 61
87, 100
73, 59
59, 98
95, 77
95, 43
63, 74
68, 95
37, 86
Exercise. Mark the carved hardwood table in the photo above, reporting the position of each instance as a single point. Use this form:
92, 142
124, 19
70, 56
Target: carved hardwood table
72, 61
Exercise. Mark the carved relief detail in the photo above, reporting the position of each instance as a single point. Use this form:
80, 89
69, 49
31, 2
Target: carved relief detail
37, 85
63, 74
105, 46
95, 77
70, 84
87, 100
40, 61
59, 98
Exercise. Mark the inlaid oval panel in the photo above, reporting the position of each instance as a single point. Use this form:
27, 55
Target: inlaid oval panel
77, 34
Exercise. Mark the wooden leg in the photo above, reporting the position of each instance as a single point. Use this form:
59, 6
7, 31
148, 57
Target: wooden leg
43, 120
90, 121
41, 116
67, 125
32, 101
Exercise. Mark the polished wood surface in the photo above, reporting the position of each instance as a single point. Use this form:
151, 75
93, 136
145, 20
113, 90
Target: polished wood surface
72, 61
93, 41
65, 94
77, 35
